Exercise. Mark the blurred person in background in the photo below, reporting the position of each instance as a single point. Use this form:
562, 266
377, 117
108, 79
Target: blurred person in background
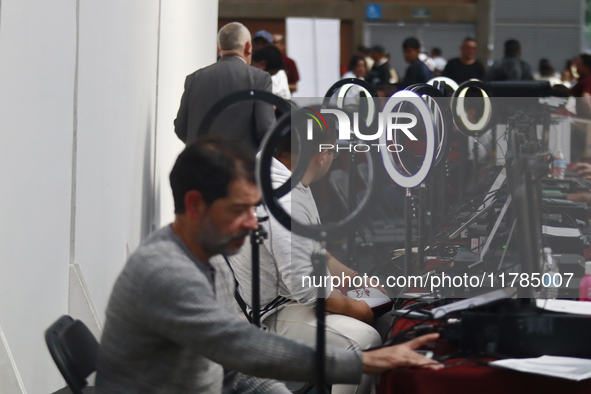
511, 67
357, 69
269, 59
289, 65
440, 62
380, 72
393, 74
569, 74
546, 73
417, 71
261, 39
465, 67
582, 88
365, 52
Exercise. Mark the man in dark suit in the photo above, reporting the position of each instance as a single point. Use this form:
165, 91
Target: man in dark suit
245, 121
380, 72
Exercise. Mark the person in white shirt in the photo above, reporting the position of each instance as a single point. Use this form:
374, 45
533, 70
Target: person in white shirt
357, 69
269, 59
439, 61
287, 305
546, 73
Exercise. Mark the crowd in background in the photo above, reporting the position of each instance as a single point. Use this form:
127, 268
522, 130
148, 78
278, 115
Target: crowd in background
374, 66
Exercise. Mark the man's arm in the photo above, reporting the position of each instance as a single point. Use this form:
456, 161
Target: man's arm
236, 382
337, 268
179, 304
343, 305
182, 117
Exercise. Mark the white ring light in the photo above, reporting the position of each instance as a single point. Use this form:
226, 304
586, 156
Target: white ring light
371, 106
416, 100
448, 81
461, 111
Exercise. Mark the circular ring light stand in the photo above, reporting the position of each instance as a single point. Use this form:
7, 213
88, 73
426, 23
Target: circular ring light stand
337, 230
237, 97
441, 113
464, 124
460, 116
256, 95
343, 85
453, 85
442, 116
408, 182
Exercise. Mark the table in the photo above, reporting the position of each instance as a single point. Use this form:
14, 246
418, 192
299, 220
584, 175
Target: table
473, 376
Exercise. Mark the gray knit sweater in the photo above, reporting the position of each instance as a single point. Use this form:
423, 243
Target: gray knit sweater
170, 329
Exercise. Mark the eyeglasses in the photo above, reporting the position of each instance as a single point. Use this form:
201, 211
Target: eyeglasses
335, 153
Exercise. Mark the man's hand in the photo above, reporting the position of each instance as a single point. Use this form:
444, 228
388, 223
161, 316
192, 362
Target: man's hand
403, 355
360, 311
584, 169
579, 197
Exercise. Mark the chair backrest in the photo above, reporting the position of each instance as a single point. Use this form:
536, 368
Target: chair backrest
74, 350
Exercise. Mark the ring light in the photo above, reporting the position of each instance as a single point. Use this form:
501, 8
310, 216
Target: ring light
459, 112
448, 81
337, 230
416, 100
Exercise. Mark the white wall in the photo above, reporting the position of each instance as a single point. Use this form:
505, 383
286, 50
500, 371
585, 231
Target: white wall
88, 94
179, 33
315, 45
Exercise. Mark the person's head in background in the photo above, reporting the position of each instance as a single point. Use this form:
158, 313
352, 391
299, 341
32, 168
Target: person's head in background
279, 42
568, 74
435, 52
545, 68
268, 59
583, 64
411, 48
468, 50
363, 50
215, 192
357, 66
323, 144
234, 40
512, 48
377, 53
261, 39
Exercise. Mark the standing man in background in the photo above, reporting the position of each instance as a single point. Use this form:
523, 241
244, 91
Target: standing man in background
245, 121
288, 64
511, 67
465, 67
439, 60
417, 71
380, 72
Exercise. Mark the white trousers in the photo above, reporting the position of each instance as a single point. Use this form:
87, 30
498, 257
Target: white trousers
299, 322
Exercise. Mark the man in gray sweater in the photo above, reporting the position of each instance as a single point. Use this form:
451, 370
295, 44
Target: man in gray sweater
169, 326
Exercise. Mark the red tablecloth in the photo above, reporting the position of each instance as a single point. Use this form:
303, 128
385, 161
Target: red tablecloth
470, 377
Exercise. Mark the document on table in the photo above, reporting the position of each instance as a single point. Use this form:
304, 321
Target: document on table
566, 306
373, 297
560, 367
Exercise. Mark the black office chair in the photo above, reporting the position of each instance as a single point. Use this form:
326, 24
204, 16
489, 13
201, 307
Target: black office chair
74, 350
